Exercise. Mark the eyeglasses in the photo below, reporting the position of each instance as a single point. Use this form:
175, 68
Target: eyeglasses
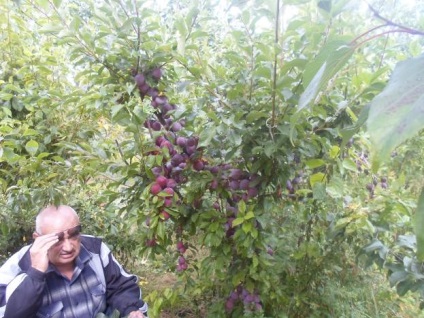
73, 233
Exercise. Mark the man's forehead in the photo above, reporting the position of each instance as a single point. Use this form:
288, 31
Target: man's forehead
58, 222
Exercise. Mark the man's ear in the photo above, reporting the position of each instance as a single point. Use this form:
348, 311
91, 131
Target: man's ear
35, 235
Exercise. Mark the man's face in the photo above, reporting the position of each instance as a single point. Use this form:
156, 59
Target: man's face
68, 248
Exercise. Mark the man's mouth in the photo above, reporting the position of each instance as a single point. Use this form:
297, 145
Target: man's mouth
66, 255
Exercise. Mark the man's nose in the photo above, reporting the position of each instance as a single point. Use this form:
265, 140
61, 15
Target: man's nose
67, 244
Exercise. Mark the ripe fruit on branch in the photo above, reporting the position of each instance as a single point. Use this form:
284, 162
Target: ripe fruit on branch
252, 192
169, 192
181, 260
160, 99
162, 181
235, 174
164, 215
198, 165
153, 92
181, 141
157, 74
155, 188
167, 202
159, 140
165, 108
214, 184
229, 305
176, 127
190, 149
139, 80
192, 141
214, 170
166, 144
181, 247
177, 159
182, 265
151, 242
234, 185
370, 187
244, 184
157, 171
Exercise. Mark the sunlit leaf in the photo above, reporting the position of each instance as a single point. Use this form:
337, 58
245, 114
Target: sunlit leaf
317, 177
315, 163
32, 147
323, 68
398, 112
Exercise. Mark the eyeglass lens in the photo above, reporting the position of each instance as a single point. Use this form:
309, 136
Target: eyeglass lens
72, 233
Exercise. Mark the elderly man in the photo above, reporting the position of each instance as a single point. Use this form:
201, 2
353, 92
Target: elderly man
64, 274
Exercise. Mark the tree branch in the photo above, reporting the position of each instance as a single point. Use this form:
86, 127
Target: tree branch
391, 23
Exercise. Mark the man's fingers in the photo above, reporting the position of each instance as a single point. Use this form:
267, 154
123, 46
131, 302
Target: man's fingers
136, 314
44, 242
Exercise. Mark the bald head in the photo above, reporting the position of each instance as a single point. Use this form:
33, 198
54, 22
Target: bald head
53, 218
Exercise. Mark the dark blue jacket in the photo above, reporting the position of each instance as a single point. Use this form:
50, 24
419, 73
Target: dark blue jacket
99, 285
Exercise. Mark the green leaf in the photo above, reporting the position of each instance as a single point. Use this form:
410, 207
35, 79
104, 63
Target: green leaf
237, 221
373, 246
31, 146
51, 28
334, 151
397, 113
249, 215
335, 188
317, 177
323, 68
57, 3
315, 163
408, 241
349, 164
318, 191
6, 96
206, 136
246, 227
255, 115
403, 287
10, 156
419, 226
397, 277
348, 132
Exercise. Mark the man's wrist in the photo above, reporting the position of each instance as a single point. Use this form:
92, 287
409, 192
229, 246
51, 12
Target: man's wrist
36, 274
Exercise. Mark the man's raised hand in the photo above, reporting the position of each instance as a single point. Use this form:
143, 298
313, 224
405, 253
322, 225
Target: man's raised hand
40, 249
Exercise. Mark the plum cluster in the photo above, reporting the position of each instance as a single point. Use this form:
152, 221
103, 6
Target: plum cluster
375, 182
238, 185
292, 184
251, 301
362, 163
182, 155
182, 264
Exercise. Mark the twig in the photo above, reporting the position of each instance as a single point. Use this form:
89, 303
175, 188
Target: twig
391, 23
121, 153
274, 84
